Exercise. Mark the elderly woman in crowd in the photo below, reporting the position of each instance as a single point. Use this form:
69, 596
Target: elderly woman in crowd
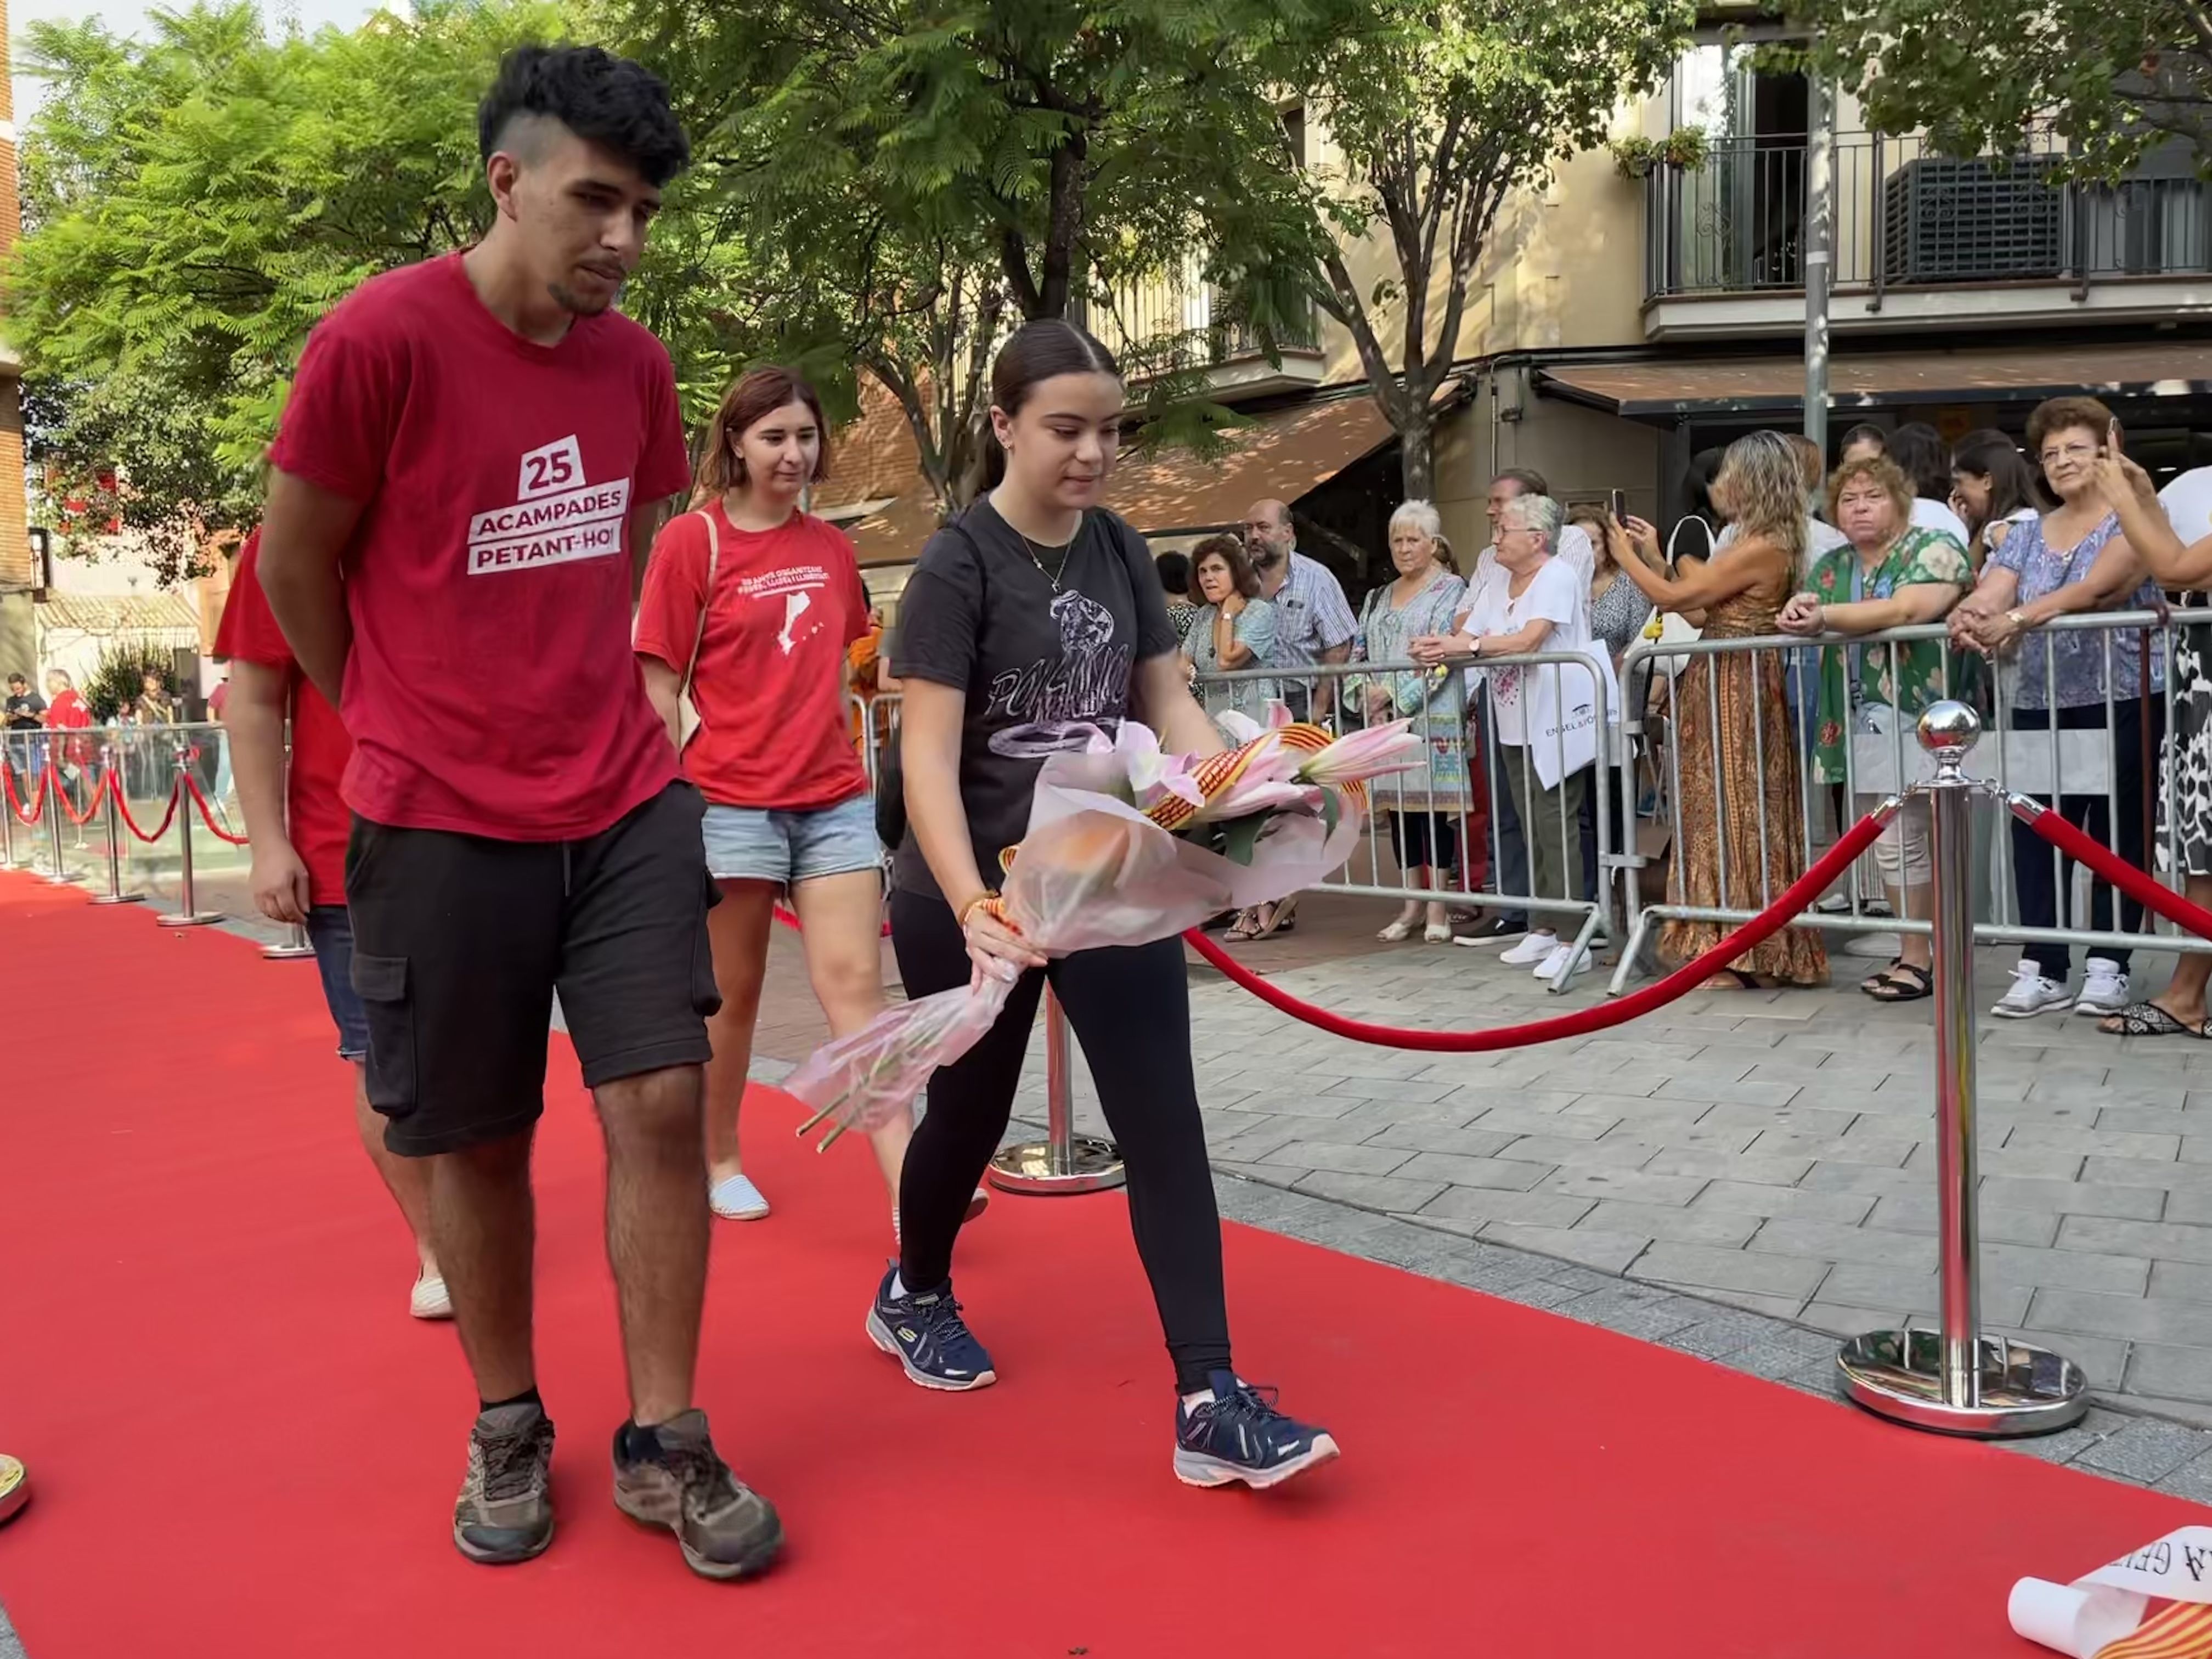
1892, 574
1544, 716
1234, 629
1739, 836
2186, 786
1424, 805
1618, 612
2069, 560
1992, 489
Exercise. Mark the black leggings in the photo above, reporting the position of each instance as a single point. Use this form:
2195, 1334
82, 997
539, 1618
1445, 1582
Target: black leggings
1131, 1012
2039, 886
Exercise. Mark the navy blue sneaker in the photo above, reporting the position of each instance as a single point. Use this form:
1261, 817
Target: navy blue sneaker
931, 1339
1238, 1435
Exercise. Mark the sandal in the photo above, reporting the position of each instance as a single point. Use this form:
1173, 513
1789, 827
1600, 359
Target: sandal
1880, 977
1918, 982
2147, 1019
1246, 928
1436, 933
1732, 979
1279, 918
1397, 933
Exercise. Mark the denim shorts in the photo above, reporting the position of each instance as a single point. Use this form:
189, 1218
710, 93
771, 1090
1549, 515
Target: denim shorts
751, 843
329, 930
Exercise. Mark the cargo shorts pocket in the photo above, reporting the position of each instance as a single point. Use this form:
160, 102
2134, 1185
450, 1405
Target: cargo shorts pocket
381, 983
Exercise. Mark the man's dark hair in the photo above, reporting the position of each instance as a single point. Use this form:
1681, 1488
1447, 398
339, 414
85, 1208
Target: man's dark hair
17, 679
1527, 479
606, 101
1174, 572
1920, 453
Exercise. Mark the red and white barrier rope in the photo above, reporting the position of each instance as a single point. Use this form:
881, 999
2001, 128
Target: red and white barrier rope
1582, 1021
100, 788
122, 807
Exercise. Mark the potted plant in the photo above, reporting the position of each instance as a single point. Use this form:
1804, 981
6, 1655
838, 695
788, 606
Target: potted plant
1635, 158
1684, 150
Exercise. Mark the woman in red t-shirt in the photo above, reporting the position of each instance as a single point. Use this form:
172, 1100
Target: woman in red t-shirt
787, 803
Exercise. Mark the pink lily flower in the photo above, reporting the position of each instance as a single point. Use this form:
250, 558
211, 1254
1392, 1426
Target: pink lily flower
1391, 747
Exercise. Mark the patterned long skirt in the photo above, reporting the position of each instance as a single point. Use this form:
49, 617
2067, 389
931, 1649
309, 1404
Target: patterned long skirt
1740, 824
2185, 830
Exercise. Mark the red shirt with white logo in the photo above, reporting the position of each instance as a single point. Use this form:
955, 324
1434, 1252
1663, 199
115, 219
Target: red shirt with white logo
70, 712
316, 819
770, 684
490, 688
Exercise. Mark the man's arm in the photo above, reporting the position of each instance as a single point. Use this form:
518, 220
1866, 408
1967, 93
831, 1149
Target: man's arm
304, 534
254, 719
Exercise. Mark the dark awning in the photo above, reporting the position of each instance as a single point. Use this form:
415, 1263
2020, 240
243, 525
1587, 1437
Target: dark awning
1990, 374
1283, 455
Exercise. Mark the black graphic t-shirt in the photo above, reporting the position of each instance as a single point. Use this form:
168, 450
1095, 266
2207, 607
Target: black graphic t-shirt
23, 710
979, 615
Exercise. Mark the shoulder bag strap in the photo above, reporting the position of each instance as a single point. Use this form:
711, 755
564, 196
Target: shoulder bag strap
706, 601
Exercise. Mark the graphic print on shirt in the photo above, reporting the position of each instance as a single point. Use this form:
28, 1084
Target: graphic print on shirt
1081, 684
557, 517
796, 585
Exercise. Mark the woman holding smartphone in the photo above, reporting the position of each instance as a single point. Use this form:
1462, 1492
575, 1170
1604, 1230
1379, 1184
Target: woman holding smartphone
1034, 614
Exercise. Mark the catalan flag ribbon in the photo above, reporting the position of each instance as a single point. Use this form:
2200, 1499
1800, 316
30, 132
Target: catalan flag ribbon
2152, 1603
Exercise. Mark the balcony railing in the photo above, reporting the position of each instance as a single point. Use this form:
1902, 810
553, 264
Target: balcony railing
1159, 318
1906, 217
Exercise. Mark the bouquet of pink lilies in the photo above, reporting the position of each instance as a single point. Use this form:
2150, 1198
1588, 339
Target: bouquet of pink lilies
1127, 845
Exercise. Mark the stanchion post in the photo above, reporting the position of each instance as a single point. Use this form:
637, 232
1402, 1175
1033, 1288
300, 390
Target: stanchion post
59, 875
295, 947
8, 819
1956, 1380
1063, 1162
111, 815
188, 913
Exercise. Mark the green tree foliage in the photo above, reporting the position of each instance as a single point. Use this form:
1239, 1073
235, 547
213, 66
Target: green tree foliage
119, 679
2111, 78
930, 172
1435, 117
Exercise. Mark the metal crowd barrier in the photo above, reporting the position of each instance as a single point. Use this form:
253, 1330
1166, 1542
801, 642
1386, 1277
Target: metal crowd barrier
2025, 750
1588, 843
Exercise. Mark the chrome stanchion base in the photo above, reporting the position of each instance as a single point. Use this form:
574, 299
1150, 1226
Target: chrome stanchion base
1091, 1166
288, 953
2024, 1390
119, 898
195, 919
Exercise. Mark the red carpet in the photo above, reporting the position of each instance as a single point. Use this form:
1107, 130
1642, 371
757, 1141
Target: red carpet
242, 1446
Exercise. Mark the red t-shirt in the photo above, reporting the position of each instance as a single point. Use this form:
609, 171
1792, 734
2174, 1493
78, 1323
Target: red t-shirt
70, 712
491, 689
314, 809
770, 684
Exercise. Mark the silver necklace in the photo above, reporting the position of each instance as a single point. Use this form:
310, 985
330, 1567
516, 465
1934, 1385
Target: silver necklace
1037, 550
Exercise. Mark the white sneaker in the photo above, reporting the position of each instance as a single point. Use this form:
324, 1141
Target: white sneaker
2104, 989
428, 1300
2032, 994
1531, 951
1563, 964
734, 1198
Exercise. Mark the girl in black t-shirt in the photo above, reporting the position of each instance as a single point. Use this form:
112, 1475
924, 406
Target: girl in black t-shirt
1034, 611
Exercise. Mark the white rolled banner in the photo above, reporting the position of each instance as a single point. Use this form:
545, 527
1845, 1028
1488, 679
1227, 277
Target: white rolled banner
2161, 1592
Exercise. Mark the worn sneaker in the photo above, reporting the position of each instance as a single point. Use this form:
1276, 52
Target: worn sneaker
930, 1338
2104, 989
671, 1476
504, 1514
1238, 1435
429, 1299
2032, 994
1562, 964
1532, 950
734, 1198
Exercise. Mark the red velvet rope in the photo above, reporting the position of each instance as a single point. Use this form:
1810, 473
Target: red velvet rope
2137, 885
206, 814
792, 922
26, 815
61, 796
123, 806
1582, 1021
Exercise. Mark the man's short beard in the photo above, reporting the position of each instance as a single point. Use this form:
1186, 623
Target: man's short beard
1268, 555
566, 298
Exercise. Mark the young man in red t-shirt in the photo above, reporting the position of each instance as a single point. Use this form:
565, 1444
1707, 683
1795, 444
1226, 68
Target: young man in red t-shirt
297, 823
463, 489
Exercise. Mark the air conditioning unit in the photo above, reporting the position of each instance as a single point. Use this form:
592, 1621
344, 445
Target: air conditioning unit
1986, 220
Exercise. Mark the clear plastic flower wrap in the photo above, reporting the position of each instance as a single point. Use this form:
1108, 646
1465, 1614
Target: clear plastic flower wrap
1099, 867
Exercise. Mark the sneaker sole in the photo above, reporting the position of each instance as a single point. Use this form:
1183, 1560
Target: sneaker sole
880, 1334
501, 1558
2089, 1009
976, 1204
2000, 1011
758, 1557
1200, 1469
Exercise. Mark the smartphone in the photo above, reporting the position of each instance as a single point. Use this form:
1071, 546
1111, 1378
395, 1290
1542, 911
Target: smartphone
1619, 507
2113, 437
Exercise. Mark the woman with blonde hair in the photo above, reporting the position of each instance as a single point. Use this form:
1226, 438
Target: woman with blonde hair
1740, 819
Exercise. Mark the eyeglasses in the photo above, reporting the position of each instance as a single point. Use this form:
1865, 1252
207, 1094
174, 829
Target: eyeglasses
2057, 453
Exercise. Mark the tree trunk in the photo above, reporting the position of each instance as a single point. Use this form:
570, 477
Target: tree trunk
1416, 455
